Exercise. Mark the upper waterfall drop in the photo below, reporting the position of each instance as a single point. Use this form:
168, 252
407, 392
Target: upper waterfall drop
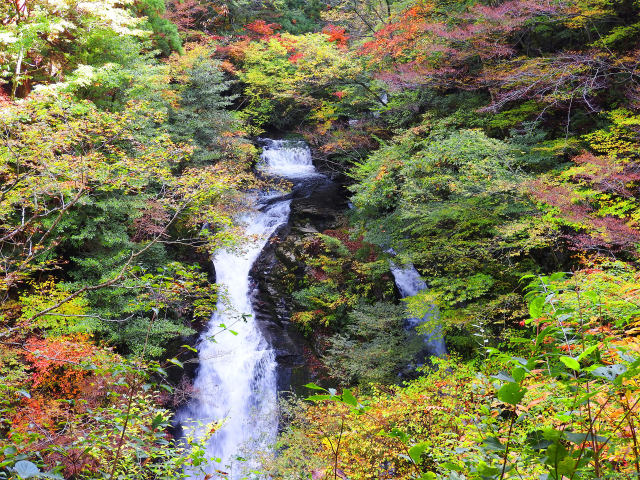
286, 158
236, 379
407, 279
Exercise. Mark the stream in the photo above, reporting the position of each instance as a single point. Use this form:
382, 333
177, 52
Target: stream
237, 376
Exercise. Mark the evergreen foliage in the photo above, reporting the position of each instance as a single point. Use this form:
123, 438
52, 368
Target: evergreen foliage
374, 347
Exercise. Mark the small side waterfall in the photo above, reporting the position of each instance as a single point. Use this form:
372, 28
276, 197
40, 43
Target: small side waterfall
409, 283
236, 378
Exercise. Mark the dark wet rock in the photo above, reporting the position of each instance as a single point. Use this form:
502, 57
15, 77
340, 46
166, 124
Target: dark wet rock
317, 204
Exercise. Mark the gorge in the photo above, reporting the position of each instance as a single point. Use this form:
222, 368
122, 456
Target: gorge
319, 239
236, 381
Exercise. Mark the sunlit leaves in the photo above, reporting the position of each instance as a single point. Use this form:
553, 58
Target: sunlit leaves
69, 317
43, 29
441, 199
284, 75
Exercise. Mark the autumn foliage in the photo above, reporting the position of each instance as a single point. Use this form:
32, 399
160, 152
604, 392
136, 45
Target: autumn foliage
490, 146
261, 29
336, 34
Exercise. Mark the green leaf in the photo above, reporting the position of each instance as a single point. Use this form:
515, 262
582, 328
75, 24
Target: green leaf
348, 398
588, 351
536, 307
518, 373
10, 450
427, 476
511, 393
570, 362
552, 434
487, 471
399, 434
453, 466
317, 398
585, 397
416, 451
556, 453
176, 362
567, 466
157, 421
313, 386
493, 443
537, 441
504, 376
556, 276
579, 438
522, 361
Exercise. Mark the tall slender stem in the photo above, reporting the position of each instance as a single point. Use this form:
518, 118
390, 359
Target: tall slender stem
506, 450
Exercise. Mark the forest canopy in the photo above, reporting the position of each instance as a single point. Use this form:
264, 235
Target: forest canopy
493, 146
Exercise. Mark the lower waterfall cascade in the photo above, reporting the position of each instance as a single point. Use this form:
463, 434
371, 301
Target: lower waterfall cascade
236, 378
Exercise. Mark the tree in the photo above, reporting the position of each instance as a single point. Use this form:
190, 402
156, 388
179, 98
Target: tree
39, 37
188, 15
200, 115
165, 34
43, 41
96, 207
289, 78
374, 346
449, 202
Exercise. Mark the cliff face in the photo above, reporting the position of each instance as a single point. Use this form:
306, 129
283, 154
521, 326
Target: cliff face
317, 204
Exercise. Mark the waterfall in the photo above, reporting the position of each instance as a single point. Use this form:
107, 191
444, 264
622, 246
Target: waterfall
409, 284
236, 378
286, 158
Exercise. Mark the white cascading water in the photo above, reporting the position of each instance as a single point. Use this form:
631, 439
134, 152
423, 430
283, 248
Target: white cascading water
236, 379
286, 158
409, 284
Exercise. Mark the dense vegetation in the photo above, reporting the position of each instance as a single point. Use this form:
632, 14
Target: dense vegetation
493, 145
